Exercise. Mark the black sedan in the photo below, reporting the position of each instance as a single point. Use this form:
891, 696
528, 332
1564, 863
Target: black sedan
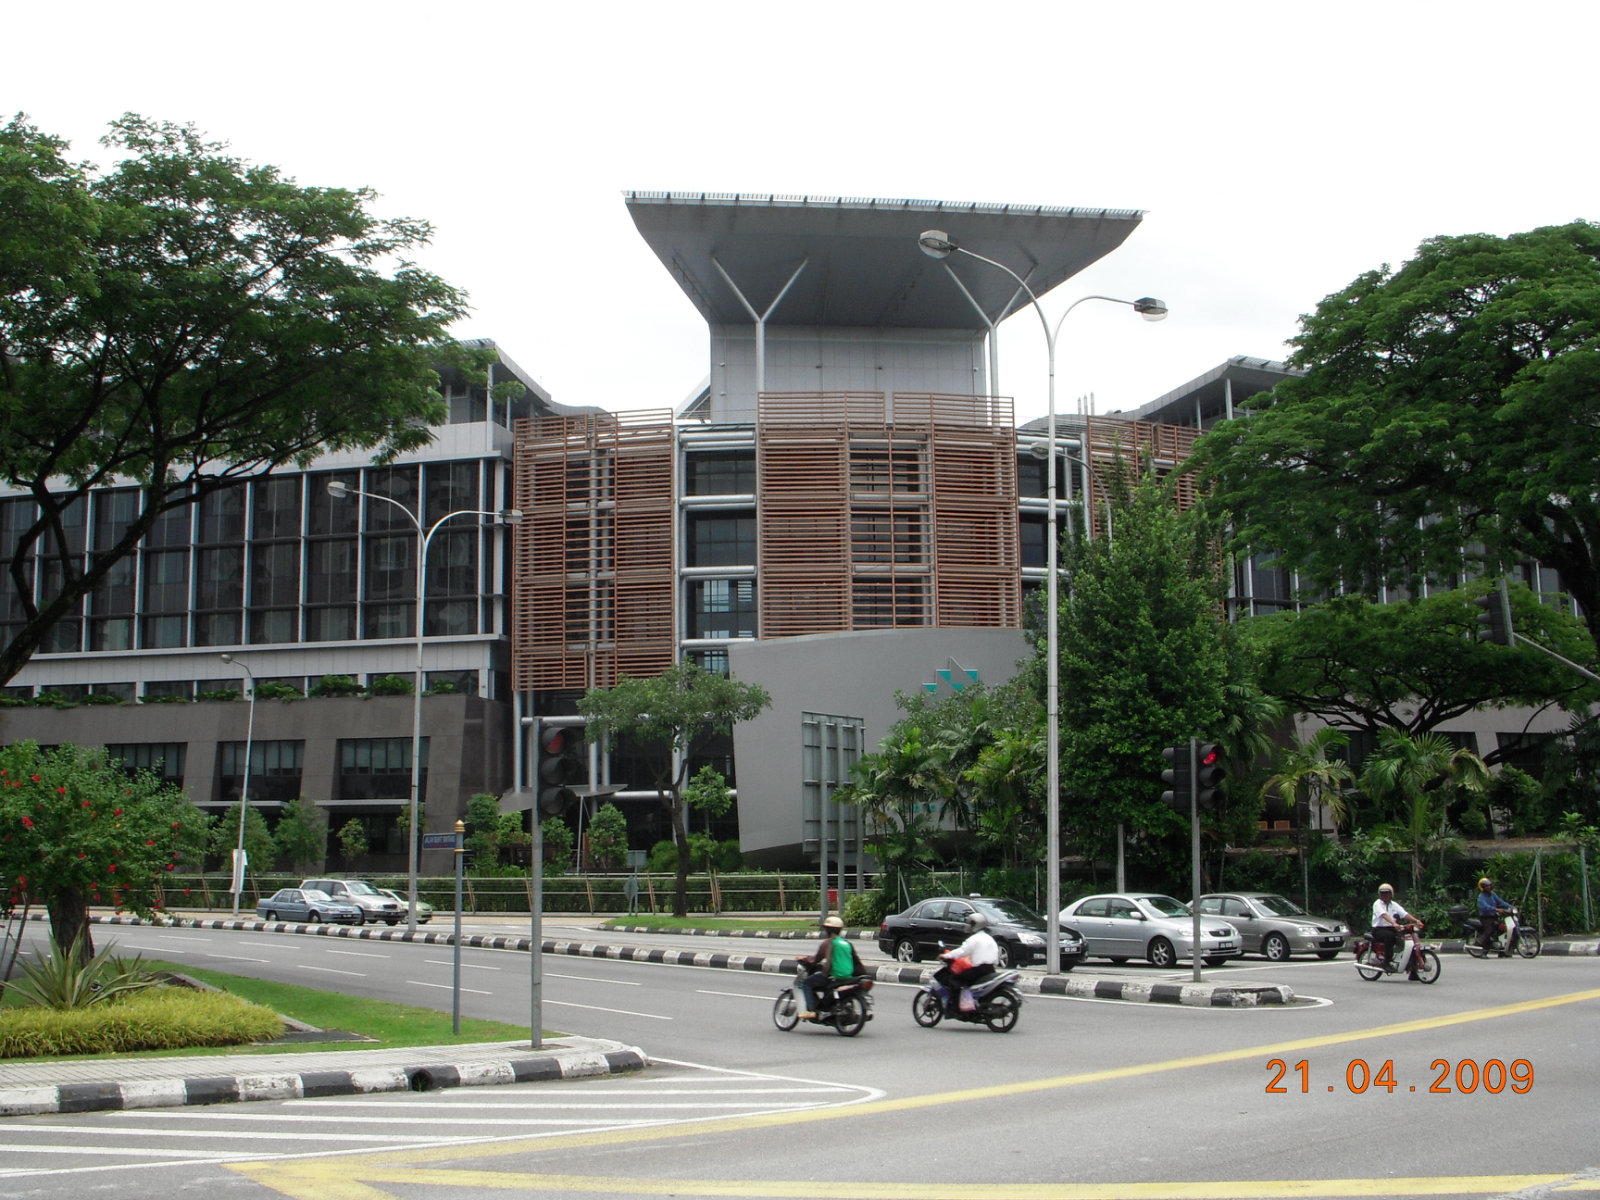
931, 926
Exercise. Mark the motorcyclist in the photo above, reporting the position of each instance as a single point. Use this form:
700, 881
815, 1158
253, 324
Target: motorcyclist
1388, 919
1491, 908
834, 959
973, 961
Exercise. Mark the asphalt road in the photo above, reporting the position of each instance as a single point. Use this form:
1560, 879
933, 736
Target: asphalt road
1482, 1084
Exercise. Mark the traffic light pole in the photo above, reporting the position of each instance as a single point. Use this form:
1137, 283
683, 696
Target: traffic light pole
1194, 850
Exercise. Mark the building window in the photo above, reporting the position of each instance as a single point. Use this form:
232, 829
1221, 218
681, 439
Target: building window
722, 473
721, 540
1033, 534
164, 759
219, 568
722, 608
166, 598
168, 689
275, 560
714, 662
111, 607
379, 769
275, 770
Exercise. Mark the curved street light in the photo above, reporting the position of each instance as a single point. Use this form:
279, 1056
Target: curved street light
935, 243
339, 490
244, 791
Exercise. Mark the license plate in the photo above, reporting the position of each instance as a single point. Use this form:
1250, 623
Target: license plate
1227, 945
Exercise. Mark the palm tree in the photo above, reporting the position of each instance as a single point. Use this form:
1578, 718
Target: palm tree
1413, 775
1306, 776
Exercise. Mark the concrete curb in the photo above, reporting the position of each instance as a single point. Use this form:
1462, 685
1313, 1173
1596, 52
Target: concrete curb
324, 1081
797, 935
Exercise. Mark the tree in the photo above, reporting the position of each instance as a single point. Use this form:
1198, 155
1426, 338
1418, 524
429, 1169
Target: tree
483, 819
1415, 664
608, 837
77, 830
184, 321
260, 850
1144, 664
1447, 412
302, 834
667, 718
555, 838
1306, 776
352, 840
1411, 779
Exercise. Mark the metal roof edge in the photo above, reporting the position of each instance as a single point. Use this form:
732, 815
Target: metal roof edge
879, 204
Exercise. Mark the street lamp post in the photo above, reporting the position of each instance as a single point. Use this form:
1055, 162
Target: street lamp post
935, 244
339, 490
244, 791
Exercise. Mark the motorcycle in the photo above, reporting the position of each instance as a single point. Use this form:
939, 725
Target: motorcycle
1511, 936
995, 1003
1415, 959
847, 1006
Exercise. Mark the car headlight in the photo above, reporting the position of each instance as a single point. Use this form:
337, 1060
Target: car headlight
1030, 939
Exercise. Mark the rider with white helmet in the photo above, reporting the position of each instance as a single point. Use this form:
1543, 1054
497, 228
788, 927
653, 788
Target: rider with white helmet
973, 961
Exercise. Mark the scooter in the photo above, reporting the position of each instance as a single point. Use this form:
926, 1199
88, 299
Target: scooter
1511, 936
846, 1006
1416, 960
994, 1002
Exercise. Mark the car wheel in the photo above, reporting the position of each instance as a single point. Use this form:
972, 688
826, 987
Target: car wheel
272, 914
905, 950
1276, 948
1327, 955
313, 917
393, 923
1003, 963
361, 919
1161, 953
1118, 961
926, 1009
1215, 960
1001, 1013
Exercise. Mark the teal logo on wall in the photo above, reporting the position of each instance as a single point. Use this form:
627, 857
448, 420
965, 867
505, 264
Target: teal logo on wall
954, 674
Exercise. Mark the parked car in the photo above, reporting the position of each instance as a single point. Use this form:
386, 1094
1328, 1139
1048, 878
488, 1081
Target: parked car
424, 909
375, 905
930, 926
307, 904
1124, 925
1275, 925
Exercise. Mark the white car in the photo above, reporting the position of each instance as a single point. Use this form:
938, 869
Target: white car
1125, 925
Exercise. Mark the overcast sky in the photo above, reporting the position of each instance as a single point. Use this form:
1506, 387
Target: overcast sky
1277, 149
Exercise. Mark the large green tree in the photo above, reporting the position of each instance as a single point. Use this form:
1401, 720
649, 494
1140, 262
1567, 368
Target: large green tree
183, 320
1146, 661
1413, 665
1447, 412
667, 718
77, 830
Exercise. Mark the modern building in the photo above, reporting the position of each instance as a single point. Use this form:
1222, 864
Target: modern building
278, 583
844, 511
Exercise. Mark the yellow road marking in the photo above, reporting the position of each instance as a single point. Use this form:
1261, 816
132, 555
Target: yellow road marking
341, 1178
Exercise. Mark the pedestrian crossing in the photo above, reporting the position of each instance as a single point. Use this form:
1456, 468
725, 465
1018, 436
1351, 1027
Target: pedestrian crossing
141, 1139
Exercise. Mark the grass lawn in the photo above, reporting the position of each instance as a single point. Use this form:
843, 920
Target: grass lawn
389, 1025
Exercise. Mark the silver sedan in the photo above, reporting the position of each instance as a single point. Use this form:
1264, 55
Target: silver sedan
1275, 925
1125, 925
307, 904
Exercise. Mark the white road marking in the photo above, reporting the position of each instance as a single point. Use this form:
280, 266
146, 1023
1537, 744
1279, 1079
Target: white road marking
449, 963
450, 987
333, 971
593, 979
597, 1008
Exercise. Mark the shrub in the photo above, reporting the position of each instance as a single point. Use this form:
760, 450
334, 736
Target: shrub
864, 911
223, 694
65, 979
557, 839
160, 1018
391, 685
439, 687
272, 690
335, 685
663, 857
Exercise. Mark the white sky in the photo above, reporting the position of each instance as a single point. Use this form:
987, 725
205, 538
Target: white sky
1278, 149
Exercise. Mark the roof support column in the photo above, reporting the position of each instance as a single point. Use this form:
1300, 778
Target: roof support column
760, 318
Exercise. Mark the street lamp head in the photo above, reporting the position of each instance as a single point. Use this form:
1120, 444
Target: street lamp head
511, 516
227, 658
1150, 308
935, 244
338, 489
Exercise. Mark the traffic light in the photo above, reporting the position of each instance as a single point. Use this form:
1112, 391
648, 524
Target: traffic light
1177, 777
1209, 769
561, 765
1494, 622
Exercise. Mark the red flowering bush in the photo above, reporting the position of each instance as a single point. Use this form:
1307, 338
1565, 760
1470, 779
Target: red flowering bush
70, 821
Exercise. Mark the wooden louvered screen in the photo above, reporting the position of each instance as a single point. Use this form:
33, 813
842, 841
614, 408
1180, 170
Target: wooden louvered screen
1140, 444
875, 515
593, 556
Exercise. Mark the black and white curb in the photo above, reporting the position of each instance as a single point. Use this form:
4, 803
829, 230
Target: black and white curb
224, 1089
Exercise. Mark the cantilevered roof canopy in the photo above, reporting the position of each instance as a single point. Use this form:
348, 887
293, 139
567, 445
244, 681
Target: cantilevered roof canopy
862, 263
